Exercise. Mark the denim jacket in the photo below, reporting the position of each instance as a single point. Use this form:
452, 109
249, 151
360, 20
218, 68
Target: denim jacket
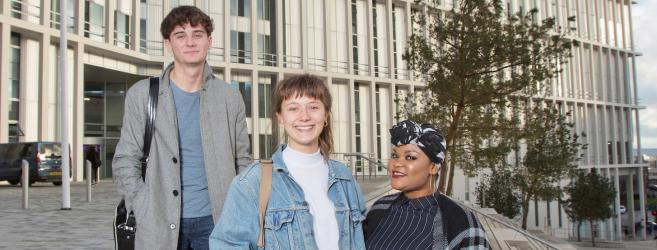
288, 222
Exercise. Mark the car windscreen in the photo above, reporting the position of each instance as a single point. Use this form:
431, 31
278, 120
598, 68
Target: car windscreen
50, 151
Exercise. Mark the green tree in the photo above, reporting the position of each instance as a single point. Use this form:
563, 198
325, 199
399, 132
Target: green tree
497, 191
590, 197
472, 58
552, 150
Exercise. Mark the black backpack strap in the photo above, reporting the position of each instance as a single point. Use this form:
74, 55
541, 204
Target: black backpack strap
153, 94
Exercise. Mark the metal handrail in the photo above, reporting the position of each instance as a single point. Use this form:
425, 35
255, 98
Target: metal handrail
92, 34
352, 158
512, 227
266, 58
24, 11
55, 21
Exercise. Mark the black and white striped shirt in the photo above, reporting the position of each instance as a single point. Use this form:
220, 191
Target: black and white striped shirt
430, 222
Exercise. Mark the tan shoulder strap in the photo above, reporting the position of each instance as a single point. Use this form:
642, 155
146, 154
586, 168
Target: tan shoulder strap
265, 191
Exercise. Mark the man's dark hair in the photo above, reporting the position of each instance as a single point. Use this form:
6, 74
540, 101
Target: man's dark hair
185, 14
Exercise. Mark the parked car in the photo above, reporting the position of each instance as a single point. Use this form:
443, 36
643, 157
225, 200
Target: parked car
44, 159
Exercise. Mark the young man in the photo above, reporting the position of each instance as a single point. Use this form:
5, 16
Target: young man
200, 142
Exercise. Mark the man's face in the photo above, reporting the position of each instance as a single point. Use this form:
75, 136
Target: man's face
189, 44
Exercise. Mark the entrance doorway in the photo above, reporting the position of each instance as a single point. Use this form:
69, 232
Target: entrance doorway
104, 97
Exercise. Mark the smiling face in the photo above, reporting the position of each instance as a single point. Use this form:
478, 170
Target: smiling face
411, 171
189, 44
303, 119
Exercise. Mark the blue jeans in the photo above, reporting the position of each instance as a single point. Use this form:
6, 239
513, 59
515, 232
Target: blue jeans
195, 232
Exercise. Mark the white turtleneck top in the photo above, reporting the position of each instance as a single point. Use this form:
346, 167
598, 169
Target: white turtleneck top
310, 171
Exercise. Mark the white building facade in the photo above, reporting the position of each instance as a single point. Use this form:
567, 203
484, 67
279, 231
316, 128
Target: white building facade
356, 46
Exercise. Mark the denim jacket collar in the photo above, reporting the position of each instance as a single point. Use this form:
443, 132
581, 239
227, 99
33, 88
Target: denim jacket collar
279, 165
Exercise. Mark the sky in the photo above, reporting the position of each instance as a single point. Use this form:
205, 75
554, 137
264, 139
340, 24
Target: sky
645, 41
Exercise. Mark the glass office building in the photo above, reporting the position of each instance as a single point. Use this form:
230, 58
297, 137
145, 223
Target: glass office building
356, 46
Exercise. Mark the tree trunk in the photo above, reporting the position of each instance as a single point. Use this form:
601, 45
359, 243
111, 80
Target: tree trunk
592, 233
525, 208
443, 175
579, 235
451, 177
451, 141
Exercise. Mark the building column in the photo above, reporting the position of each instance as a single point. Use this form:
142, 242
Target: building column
45, 87
79, 18
642, 202
329, 12
255, 116
352, 117
409, 32
350, 46
389, 35
226, 29
254, 40
5, 55
110, 7
304, 34
370, 36
617, 202
373, 108
276, 133
77, 111
629, 196
393, 105
135, 26
610, 220
280, 37
4, 8
44, 12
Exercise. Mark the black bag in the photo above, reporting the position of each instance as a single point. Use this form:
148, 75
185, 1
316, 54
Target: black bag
125, 224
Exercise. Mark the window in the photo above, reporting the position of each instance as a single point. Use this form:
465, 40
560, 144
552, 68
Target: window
265, 10
14, 83
240, 8
266, 50
264, 100
240, 44
122, 30
265, 146
94, 21
55, 15
245, 89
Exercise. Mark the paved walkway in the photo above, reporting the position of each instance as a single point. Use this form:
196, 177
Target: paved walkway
45, 226
86, 226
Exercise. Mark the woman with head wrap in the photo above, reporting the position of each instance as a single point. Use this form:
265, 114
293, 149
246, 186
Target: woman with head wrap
419, 217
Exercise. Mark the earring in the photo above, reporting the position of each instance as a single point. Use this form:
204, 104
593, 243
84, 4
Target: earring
325, 123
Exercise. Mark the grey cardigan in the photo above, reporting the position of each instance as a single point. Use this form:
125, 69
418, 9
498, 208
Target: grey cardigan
157, 203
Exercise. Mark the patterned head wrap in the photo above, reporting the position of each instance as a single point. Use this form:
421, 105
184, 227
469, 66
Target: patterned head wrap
429, 139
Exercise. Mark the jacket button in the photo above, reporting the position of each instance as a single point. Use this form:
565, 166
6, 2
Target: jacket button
304, 203
174, 160
172, 226
175, 192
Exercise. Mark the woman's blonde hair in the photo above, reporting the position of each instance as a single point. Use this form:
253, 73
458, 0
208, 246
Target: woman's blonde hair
309, 86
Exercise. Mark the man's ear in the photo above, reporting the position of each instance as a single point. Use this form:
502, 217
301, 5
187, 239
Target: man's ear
167, 45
